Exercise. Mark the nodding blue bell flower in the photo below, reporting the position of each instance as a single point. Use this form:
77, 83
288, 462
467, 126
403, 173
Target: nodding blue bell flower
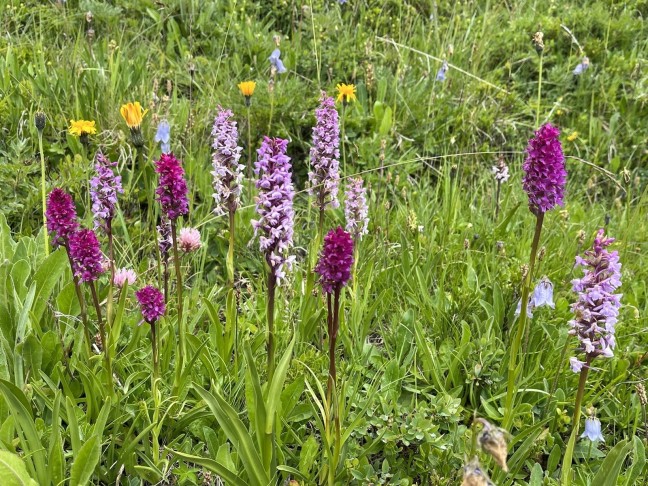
441, 73
582, 66
163, 136
529, 310
276, 62
543, 294
593, 429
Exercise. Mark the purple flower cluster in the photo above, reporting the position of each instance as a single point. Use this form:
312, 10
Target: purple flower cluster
165, 242
597, 308
356, 211
334, 265
324, 154
274, 204
545, 174
172, 188
104, 188
227, 173
151, 303
61, 216
85, 253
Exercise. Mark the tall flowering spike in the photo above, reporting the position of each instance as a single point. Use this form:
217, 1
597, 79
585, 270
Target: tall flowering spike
274, 204
61, 216
356, 211
104, 188
336, 260
227, 173
172, 188
151, 303
324, 154
545, 175
597, 309
165, 241
86, 256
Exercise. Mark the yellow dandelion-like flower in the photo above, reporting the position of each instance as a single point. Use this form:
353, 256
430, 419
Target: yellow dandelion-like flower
247, 88
80, 128
346, 92
573, 136
133, 114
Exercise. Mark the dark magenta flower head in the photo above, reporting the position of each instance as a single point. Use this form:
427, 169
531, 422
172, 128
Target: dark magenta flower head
336, 260
151, 303
172, 188
544, 170
61, 216
85, 252
104, 187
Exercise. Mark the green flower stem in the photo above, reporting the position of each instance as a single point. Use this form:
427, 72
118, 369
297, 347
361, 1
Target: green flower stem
567, 460
537, 121
154, 391
111, 256
270, 337
82, 305
42, 161
333, 321
181, 326
249, 147
513, 368
554, 385
104, 344
344, 170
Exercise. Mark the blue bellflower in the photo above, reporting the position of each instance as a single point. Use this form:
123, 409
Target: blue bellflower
276, 62
163, 136
441, 73
593, 429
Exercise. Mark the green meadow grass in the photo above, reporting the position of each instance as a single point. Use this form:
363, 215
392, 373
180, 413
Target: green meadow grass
426, 328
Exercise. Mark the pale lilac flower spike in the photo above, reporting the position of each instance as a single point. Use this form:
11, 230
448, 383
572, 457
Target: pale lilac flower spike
274, 204
356, 211
104, 188
597, 309
593, 429
324, 154
227, 173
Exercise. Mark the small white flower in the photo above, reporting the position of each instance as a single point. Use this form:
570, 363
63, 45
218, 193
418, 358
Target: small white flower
593, 429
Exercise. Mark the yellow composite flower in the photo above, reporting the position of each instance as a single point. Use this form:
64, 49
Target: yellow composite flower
133, 114
573, 136
247, 88
346, 92
82, 127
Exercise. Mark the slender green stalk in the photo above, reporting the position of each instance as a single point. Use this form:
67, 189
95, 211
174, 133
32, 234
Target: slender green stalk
272, 90
111, 283
497, 199
154, 391
82, 305
333, 321
343, 142
554, 385
567, 460
104, 343
181, 326
42, 161
249, 147
270, 337
514, 368
537, 121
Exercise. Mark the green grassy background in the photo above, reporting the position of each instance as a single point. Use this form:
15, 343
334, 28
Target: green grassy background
425, 336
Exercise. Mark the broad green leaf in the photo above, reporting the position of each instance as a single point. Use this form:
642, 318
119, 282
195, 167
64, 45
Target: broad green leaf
29, 437
278, 380
13, 471
237, 434
608, 473
227, 475
638, 461
85, 462
46, 277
